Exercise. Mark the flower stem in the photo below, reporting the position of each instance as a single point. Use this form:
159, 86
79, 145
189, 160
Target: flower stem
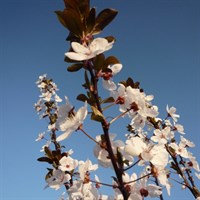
139, 178
88, 136
116, 118
132, 165
105, 184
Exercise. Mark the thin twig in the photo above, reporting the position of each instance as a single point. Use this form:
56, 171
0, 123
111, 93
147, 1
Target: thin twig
105, 184
108, 106
138, 178
89, 136
116, 118
132, 165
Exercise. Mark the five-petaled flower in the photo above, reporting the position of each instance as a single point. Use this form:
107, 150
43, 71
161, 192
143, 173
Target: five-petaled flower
107, 76
67, 163
172, 113
96, 47
69, 120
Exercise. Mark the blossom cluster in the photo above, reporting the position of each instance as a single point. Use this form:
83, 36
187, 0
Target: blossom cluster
154, 153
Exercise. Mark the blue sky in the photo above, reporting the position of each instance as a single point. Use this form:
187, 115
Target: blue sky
158, 43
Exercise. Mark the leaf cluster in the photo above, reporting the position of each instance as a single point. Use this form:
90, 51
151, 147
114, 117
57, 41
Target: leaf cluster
52, 157
82, 21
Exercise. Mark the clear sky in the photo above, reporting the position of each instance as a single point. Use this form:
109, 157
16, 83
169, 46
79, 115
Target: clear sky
158, 43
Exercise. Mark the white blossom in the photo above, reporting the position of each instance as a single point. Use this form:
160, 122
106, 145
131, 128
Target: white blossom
162, 175
67, 163
156, 154
101, 153
185, 142
179, 128
57, 179
135, 146
162, 136
193, 162
96, 47
142, 189
172, 113
82, 191
85, 167
107, 76
179, 149
68, 120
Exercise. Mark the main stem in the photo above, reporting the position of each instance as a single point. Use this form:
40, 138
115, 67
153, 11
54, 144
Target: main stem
105, 126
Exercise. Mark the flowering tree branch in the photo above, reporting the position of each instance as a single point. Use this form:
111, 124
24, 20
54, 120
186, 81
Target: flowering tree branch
155, 143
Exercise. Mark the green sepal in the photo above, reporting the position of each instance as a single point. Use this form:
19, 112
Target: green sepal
96, 115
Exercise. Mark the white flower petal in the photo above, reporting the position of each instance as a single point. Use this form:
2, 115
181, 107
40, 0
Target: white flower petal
82, 113
99, 45
63, 136
115, 68
78, 48
76, 56
109, 85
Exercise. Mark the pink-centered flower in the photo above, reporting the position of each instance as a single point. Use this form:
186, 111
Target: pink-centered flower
57, 179
142, 190
107, 76
80, 190
86, 167
162, 136
119, 96
137, 103
67, 163
96, 47
179, 149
